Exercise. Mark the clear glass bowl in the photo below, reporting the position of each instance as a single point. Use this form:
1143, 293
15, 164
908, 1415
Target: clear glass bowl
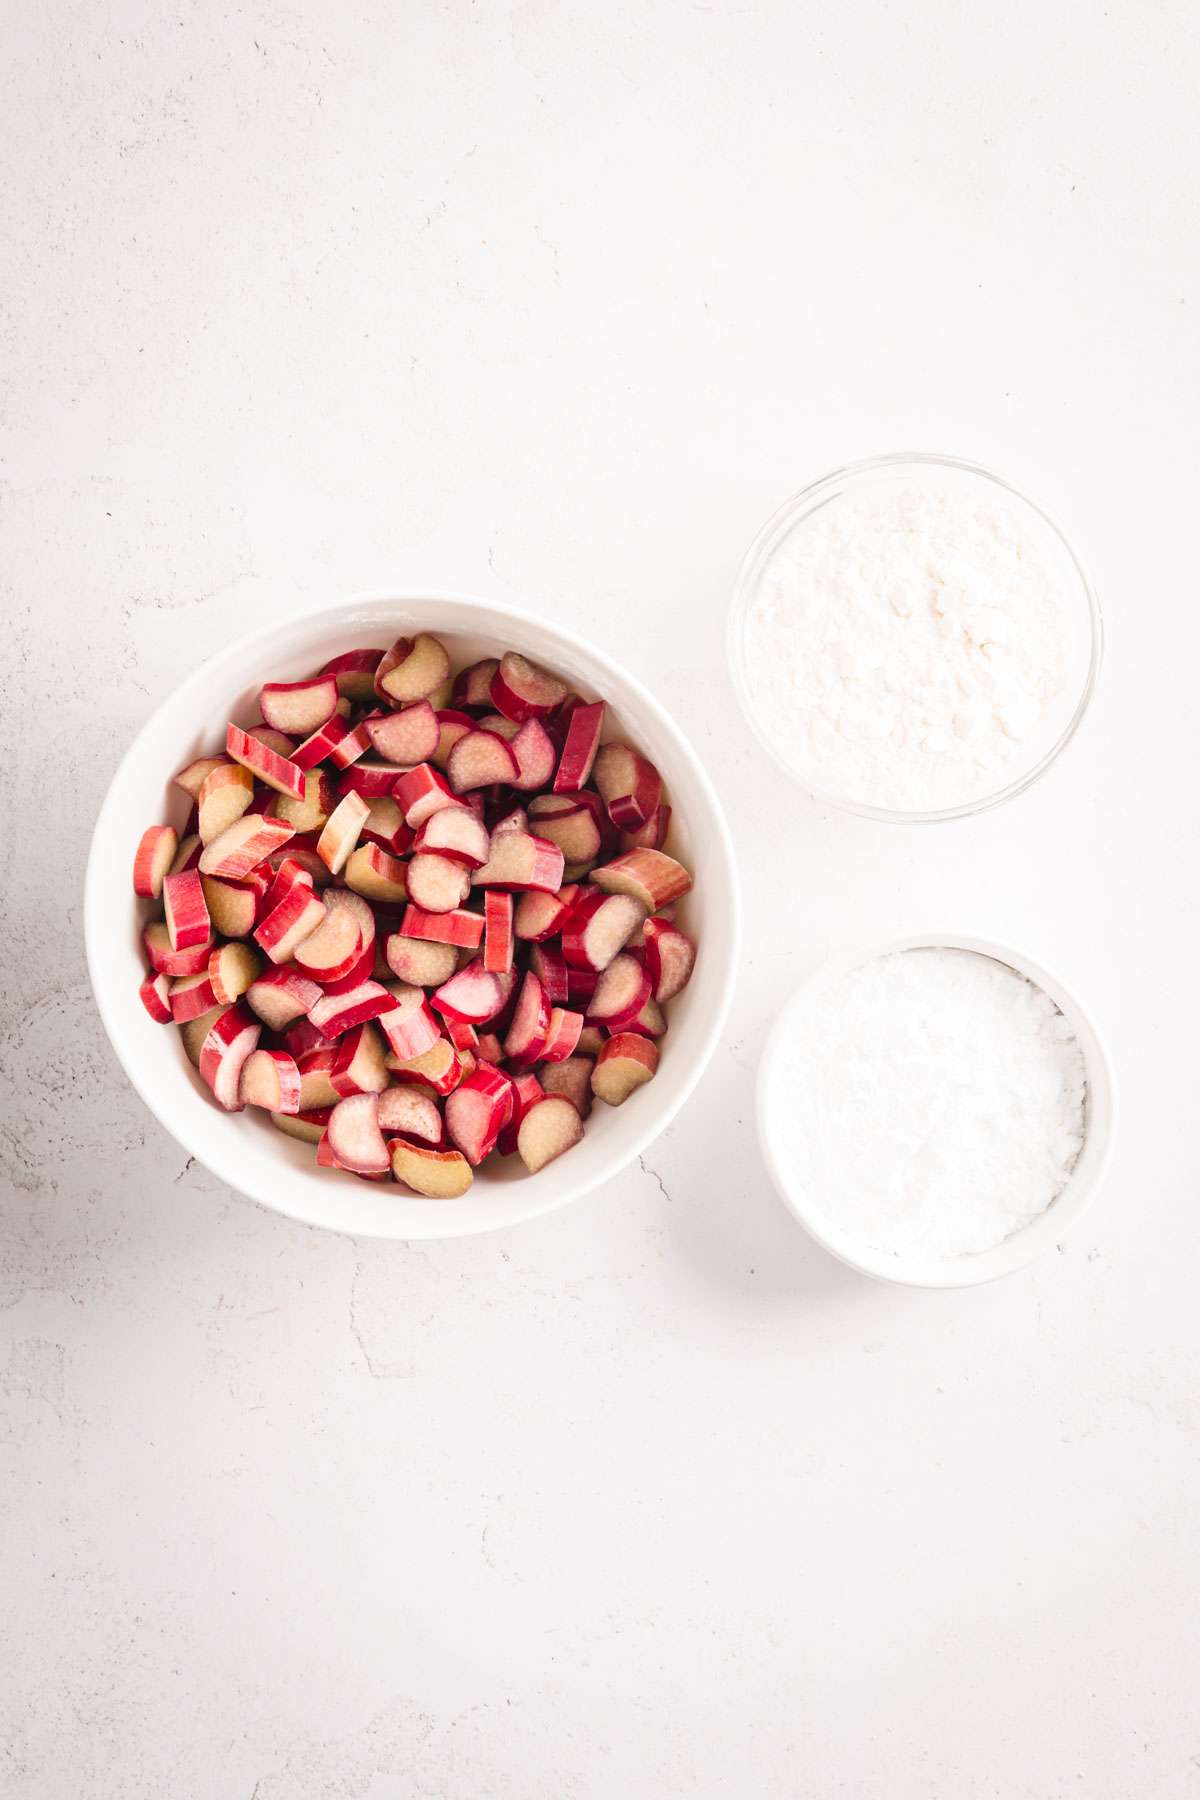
1085, 632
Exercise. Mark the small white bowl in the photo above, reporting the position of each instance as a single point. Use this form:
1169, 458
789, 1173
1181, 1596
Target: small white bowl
1025, 1244
247, 1151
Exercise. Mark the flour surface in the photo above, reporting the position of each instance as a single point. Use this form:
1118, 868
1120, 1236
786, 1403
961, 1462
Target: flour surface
906, 641
936, 1104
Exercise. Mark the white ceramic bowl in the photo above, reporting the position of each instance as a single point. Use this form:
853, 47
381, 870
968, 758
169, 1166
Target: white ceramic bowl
246, 1150
774, 1099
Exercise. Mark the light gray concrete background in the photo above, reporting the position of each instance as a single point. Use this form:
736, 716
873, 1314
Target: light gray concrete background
650, 1498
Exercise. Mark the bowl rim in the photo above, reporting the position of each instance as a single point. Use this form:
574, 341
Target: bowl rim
252, 644
804, 502
1029, 1241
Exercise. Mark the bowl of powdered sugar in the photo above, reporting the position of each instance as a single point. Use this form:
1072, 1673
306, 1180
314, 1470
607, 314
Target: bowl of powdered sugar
913, 639
936, 1111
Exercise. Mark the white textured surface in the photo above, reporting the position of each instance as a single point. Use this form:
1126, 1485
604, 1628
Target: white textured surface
651, 1497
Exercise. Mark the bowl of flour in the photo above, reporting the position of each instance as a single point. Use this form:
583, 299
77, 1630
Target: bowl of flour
912, 639
935, 1111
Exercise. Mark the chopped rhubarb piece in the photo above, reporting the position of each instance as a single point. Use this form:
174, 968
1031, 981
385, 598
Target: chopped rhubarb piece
572, 1078
499, 726
354, 672
535, 755
515, 820
651, 1021
355, 1137
347, 755
302, 1035
581, 985
521, 690
478, 760
184, 910
299, 707
369, 777
597, 927
407, 737
451, 726
287, 925
621, 992
526, 1090
191, 996
628, 783
648, 875
154, 857
437, 884
529, 1033
549, 1128
579, 748
309, 1127
341, 832
338, 1013
227, 793
324, 742
670, 958
461, 928
550, 967
456, 832
384, 825
316, 1079
412, 670
264, 763
519, 861
434, 1174
422, 961
231, 970
280, 995
625, 1062
173, 963
302, 853
477, 1111
270, 1079
246, 843
473, 685
377, 876
421, 791
568, 821
540, 915
652, 835
497, 932
473, 994
192, 779
407, 1021
311, 812
563, 1038
188, 854
223, 1053
359, 1065
438, 1068
154, 994
278, 741
333, 948
409, 1109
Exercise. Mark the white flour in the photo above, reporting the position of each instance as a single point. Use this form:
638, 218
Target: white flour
906, 641
936, 1104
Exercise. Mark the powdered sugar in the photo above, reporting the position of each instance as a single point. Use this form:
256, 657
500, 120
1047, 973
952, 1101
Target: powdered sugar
907, 640
936, 1104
